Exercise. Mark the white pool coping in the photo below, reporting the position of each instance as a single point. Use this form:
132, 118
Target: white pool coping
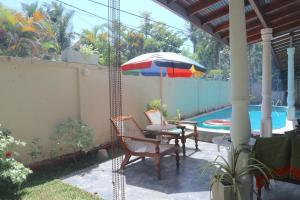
289, 125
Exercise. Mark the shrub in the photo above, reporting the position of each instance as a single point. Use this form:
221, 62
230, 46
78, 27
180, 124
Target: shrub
74, 134
12, 173
155, 105
35, 149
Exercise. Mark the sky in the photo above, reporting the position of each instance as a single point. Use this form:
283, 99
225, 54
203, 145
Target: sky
83, 20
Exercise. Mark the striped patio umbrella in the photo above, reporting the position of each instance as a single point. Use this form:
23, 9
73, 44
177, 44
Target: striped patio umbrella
163, 64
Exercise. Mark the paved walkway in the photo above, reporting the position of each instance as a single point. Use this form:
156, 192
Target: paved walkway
186, 183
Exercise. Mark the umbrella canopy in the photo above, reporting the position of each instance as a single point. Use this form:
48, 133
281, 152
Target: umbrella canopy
163, 64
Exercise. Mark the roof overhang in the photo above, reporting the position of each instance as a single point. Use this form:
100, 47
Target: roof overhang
283, 16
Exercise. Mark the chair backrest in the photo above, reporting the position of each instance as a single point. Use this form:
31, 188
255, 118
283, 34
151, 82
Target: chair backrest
127, 126
155, 117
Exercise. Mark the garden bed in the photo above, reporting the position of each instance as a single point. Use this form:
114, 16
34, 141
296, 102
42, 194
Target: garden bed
46, 184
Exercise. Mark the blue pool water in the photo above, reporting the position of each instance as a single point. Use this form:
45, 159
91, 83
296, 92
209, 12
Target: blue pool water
278, 117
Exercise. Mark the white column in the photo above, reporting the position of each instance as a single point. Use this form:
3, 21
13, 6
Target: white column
240, 128
266, 106
291, 85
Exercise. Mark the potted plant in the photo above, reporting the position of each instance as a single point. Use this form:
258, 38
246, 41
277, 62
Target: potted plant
86, 54
155, 105
231, 180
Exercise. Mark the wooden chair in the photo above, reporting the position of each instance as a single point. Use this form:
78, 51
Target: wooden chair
154, 117
134, 143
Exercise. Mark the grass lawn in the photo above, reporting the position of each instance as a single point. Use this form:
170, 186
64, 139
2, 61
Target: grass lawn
55, 190
45, 184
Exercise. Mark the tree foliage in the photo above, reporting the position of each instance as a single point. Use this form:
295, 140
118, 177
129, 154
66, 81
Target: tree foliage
46, 29
38, 31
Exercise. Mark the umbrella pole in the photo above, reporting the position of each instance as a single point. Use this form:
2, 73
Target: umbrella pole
161, 96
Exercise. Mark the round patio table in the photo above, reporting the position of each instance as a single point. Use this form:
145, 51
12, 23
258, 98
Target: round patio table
226, 141
157, 128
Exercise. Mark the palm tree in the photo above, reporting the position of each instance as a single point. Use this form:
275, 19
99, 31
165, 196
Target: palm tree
61, 23
24, 36
97, 38
30, 9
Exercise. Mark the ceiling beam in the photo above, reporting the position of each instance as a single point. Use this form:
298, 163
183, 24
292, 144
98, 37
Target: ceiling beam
286, 28
283, 42
281, 46
285, 12
250, 25
255, 6
285, 22
253, 39
180, 11
199, 5
250, 32
269, 9
218, 13
282, 49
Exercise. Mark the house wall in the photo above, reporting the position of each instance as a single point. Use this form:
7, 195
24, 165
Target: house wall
36, 95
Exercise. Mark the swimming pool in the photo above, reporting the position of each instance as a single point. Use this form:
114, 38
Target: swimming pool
278, 118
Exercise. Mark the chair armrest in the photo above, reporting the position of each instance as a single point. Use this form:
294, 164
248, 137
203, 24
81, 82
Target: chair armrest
149, 140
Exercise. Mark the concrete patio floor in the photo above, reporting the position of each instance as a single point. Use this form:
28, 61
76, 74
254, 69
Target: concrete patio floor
141, 182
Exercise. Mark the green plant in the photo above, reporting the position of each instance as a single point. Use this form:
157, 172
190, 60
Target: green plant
156, 105
87, 50
35, 149
12, 173
178, 114
74, 134
230, 173
24, 35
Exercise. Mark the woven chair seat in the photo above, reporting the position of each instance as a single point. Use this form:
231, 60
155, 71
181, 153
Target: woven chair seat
146, 147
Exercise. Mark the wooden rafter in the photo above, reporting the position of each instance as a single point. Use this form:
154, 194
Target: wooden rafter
199, 5
178, 9
287, 28
270, 11
284, 22
255, 6
220, 12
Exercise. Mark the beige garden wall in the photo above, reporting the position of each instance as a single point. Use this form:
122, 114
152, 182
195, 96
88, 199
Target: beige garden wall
36, 95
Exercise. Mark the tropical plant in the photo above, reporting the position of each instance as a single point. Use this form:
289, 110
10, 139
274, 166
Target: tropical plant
132, 43
35, 149
12, 173
97, 40
87, 50
60, 24
232, 172
25, 36
30, 9
146, 25
73, 134
156, 105
167, 40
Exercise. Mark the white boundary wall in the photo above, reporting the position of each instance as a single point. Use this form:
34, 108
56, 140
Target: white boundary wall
36, 95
